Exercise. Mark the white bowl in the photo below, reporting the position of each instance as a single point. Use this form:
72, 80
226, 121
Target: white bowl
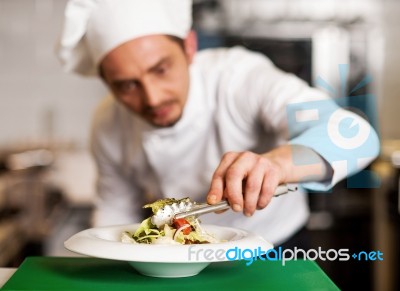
161, 260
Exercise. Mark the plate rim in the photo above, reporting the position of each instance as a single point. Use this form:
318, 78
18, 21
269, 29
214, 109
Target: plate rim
87, 243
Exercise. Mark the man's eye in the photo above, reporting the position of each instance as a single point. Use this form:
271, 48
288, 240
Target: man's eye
161, 70
126, 86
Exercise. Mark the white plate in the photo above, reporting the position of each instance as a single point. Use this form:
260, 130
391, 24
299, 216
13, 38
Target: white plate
163, 260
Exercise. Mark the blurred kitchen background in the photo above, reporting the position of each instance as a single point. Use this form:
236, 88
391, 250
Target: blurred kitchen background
46, 172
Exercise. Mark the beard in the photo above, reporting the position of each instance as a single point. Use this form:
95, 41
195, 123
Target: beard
163, 115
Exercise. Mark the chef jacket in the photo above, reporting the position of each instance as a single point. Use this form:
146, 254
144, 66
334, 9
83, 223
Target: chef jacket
238, 101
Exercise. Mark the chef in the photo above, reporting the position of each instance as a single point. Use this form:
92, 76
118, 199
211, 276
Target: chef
208, 125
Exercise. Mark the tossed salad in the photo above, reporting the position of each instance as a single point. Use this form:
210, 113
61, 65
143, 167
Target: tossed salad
163, 228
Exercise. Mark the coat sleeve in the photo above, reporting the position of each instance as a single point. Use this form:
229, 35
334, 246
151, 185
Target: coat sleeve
301, 115
118, 197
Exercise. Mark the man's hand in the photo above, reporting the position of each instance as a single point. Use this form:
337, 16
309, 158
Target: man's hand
247, 180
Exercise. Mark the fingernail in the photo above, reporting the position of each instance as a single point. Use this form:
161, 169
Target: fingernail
248, 214
236, 207
212, 198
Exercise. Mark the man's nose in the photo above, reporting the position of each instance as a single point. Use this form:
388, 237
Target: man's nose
152, 94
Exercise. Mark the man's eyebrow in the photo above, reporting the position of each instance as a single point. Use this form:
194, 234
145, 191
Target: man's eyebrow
118, 82
151, 69
159, 63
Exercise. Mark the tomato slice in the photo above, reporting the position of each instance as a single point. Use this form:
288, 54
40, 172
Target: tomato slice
181, 222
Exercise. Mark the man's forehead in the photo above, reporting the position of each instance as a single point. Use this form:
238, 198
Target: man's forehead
144, 45
138, 55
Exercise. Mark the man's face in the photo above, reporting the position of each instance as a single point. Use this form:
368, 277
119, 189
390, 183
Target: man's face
150, 76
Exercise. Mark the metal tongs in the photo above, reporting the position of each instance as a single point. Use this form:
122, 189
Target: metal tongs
204, 208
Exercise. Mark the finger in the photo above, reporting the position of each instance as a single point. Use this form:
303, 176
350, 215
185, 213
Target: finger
216, 190
270, 183
220, 211
253, 189
217, 186
235, 174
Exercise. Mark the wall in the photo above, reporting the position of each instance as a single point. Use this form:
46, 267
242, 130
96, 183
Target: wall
37, 99
390, 94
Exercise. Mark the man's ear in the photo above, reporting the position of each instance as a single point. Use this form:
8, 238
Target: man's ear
190, 45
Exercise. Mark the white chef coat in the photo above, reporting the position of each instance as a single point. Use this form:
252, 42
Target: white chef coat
237, 101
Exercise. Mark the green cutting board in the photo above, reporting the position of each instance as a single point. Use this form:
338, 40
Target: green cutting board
53, 273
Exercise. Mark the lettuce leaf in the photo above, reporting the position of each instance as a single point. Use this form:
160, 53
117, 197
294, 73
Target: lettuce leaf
144, 227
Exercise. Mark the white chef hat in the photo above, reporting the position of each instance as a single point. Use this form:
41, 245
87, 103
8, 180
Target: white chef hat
92, 28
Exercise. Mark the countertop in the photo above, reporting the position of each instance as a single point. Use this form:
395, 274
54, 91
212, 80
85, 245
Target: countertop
63, 273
